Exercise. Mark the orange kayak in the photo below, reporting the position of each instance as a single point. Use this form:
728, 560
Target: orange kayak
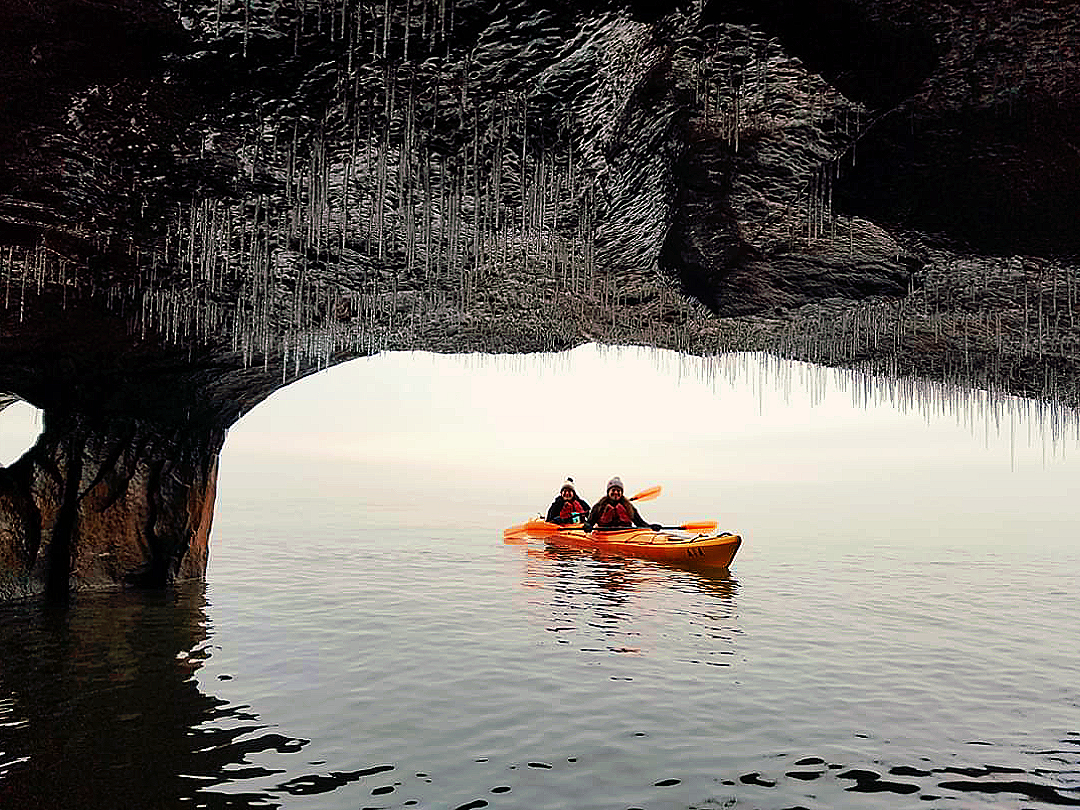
666, 546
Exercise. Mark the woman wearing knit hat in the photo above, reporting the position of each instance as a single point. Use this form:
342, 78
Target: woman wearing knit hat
614, 511
568, 506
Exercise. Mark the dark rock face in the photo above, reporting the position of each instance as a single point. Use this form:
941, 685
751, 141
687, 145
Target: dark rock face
204, 200
93, 505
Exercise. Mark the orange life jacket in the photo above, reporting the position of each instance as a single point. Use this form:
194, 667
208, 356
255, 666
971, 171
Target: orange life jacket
571, 508
615, 514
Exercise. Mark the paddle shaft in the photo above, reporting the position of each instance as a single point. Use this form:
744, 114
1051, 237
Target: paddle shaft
694, 526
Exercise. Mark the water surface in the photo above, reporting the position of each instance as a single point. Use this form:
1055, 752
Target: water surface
897, 631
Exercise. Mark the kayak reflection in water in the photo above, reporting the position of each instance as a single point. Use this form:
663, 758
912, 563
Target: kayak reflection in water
568, 506
615, 511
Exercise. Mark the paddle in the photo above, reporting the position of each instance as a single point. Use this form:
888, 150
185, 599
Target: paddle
541, 528
518, 535
693, 526
646, 494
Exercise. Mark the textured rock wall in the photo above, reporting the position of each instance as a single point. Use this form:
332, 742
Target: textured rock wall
292, 184
239, 192
95, 505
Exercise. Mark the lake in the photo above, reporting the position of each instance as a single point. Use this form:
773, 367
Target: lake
897, 630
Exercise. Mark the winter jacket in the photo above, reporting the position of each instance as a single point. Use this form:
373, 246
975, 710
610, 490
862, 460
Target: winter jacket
610, 514
562, 511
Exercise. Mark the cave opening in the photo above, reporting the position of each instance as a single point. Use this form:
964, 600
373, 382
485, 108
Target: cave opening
20, 426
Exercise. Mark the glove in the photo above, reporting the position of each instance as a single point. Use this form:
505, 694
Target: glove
655, 527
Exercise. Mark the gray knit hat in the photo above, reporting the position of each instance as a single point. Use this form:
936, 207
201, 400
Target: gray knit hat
615, 482
568, 484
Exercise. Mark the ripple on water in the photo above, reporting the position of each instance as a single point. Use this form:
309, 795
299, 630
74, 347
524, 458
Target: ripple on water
1052, 788
443, 683
313, 784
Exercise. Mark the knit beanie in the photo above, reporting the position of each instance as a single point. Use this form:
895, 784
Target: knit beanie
615, 482
568, 484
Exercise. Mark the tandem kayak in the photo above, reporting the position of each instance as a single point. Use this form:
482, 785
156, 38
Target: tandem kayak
666, 545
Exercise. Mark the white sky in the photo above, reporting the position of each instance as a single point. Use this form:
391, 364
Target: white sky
20, 425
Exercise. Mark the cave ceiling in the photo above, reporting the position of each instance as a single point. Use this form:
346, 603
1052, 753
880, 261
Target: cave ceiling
203, 201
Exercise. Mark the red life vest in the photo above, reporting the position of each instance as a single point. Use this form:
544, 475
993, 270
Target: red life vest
615, 514
571, 508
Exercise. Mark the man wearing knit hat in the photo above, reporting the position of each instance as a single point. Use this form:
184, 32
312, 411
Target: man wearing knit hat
614, 511
568, 506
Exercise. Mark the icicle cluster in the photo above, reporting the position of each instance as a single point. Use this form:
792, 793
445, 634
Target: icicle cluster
418, 196
416, 204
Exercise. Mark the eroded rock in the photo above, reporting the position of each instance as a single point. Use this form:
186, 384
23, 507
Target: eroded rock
229, 196
101, 503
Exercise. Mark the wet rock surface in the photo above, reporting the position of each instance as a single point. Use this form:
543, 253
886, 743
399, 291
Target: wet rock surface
99, 504
203, 201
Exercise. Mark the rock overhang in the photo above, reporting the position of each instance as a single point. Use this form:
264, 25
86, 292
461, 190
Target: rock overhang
235, 194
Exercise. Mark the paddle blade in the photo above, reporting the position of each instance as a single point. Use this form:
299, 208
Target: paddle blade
516, 535
647, 494
700, 526
541, 528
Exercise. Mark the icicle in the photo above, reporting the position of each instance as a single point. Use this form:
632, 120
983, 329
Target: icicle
386, 29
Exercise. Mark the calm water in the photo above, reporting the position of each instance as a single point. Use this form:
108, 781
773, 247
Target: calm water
898, 629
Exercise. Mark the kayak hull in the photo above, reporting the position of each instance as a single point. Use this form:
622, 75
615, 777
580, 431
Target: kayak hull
707, 551
713, 551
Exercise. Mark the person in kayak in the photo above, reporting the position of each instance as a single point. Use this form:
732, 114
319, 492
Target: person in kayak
568, 506
614, 511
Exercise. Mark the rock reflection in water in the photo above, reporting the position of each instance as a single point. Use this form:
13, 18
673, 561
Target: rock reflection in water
102, 707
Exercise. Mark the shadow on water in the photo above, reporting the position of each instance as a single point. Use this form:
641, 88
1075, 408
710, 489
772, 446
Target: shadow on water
100, 707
